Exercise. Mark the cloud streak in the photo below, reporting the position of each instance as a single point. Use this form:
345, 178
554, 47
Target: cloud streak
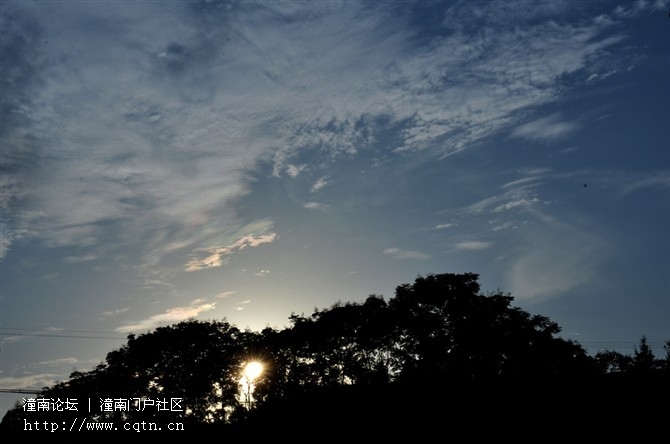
216, 257
555, 261
397, 253
170, 316
546, 128
473, 245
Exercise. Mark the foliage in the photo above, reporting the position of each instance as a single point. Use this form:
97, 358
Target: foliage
439, 328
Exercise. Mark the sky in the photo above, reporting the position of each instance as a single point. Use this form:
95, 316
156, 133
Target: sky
243, 161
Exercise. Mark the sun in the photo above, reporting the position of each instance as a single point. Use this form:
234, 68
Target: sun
253, 370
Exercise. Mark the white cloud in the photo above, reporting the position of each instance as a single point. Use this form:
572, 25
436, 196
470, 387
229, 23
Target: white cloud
319, 184
503, 226
473, 245
294, 170
520, 194
217, 256
49, 276
635, 8
397, 253
166, 140
155, 283
546, 128
443, 226
35, 381
112, 313
59, 361
315, 206
553, 261
515, 203
170, 316
82, 258
568, 150
521, 182
657, 180
6, 239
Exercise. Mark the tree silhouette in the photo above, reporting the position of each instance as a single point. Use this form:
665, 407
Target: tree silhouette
449, 329
644, 360
609, 361
438, 346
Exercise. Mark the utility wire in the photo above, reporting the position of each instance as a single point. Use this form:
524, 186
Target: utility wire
15, 331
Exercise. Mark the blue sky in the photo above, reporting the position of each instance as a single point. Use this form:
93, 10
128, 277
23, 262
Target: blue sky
247, 160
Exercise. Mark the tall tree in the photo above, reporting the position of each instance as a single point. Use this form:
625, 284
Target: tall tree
448, 328
644, 360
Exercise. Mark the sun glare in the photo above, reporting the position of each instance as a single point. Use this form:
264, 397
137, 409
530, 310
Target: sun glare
253, 370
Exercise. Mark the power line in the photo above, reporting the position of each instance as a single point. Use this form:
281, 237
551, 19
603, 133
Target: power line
60, 336
90, 334
16, 331
26, 391
42, 329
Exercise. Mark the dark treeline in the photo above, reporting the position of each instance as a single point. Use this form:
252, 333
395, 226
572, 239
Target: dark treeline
438, 354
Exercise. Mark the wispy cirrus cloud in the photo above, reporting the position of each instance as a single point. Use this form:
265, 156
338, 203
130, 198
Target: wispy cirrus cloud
546, 128
473, 245
166, 141
315, 206
170, 316
241, 305
522, 202
520, 197
554, 261
82, 258
398, 253
59, 361
639, 7
218, 256
6, 239
113, 313
33, 381
656, 180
